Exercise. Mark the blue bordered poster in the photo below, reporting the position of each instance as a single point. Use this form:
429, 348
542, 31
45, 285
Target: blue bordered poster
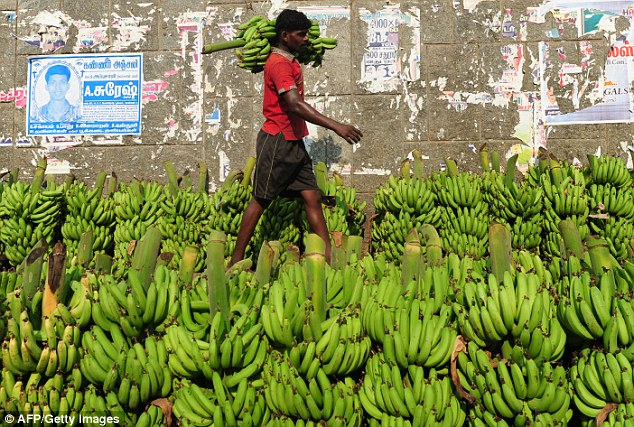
85, 94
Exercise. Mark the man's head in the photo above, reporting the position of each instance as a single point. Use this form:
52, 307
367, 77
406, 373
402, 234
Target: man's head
57, 78
57, 70
291, 27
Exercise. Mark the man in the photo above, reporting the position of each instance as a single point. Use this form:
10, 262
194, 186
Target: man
282, 160
58, 109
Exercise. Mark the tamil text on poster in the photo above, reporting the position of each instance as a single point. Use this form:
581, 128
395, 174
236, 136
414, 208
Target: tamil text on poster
85, 94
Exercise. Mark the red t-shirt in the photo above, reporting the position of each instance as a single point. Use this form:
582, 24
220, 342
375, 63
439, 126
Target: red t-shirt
282, 74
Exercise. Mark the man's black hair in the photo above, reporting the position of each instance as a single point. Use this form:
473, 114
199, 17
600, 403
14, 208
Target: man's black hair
291, 20
57, 69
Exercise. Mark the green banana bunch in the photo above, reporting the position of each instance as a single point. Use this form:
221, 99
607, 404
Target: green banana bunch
38, 395
140, 373
410, 394
600, 378
512, 391
281, 222
312, 397
314, 52
241, 405
585, 309
28, 214
126, 303
609, 169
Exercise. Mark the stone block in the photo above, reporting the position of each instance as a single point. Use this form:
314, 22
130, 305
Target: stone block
162, 113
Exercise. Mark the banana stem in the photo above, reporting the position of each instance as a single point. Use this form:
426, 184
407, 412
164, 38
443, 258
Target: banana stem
248, 170
433, 245
103, 264
338, 258
495, 161
354, 248
172, 179
38, 177
216, 279
100, 182
412, 256
188, 264
418, 163
145, 254
217, 47
85, 249
572, 238
315, 259
264, 266
32, 275
56, 273
500, 251
112, 183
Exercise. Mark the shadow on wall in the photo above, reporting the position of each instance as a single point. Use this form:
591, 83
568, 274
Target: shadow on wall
323, 150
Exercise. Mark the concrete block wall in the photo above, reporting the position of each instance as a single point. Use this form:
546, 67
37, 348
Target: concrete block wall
464, 73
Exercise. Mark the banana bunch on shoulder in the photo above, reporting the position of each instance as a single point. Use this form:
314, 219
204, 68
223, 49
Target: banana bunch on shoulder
255, 37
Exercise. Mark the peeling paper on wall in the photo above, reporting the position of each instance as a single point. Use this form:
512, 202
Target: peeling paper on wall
130, 32
381, 64
49, 30
16, 95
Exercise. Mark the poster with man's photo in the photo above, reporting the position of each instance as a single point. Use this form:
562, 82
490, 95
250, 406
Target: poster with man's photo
85, 94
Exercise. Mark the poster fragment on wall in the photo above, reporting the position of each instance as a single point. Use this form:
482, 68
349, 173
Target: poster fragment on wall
84, 94
383, 67
611, 96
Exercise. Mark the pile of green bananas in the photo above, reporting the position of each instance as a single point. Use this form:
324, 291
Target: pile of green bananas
220, 405
402, 204
565, 198
600, 378
342, 210
134, 373
313, 397
138, 206
414, 326
465, 217
518, 393
280, 222
409, 397
186, 214
518, 205
519, 309
28, 214
228, 203
611, 203
88, 210
254, 40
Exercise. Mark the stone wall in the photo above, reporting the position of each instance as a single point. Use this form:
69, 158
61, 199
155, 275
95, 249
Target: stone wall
444, 77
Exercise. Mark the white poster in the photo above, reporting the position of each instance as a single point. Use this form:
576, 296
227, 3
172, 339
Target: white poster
85, 94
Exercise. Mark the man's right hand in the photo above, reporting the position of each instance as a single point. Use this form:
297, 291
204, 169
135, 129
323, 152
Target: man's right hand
351, 134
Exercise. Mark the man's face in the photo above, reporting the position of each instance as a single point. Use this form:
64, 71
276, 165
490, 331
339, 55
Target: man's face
57, 86
295, 40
